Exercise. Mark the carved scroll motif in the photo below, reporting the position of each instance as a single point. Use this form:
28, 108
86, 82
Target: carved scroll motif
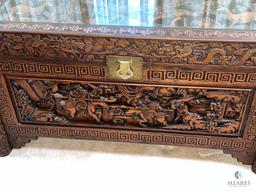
130, 106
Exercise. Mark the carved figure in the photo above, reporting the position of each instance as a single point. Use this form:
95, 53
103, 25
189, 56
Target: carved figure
129, 105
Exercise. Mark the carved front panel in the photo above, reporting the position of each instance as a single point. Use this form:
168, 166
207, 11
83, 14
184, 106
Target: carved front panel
129, 106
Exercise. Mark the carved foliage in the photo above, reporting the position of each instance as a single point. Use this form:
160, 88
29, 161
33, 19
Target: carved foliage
97, 48
147, 107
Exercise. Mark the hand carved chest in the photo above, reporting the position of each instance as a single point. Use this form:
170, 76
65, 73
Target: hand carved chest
132, 74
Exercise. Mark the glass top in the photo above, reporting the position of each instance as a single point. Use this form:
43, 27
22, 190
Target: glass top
217, 14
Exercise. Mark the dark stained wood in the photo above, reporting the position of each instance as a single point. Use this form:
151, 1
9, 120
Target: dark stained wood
198, 89
95, 49
5, 147
254, 165
18, 142
130, 106
247, 158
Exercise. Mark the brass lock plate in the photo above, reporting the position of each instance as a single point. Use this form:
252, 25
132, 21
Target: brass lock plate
124, 67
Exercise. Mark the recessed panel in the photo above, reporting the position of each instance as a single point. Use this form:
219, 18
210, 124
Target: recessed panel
201, 110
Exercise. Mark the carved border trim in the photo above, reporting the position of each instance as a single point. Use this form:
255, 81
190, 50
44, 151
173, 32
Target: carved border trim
138, 137
126, 31
99, 71
53, 69
6, 112
223, 77
5, 116
251, 131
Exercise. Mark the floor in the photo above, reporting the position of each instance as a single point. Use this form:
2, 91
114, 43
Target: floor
77, 165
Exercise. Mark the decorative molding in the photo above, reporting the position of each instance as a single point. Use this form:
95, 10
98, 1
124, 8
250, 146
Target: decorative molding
251, 130
5, 109
126, 31
80, 71
95, 49
5, 117
7, 142
203, 75
97, 71
135, 136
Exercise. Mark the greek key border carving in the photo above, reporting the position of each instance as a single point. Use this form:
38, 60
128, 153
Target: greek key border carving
6, 117
99, 71
224, 77
251, 133
6, 112
142, 137
53, 69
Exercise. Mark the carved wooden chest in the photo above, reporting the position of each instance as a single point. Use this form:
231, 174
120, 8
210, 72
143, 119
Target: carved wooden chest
129, 72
